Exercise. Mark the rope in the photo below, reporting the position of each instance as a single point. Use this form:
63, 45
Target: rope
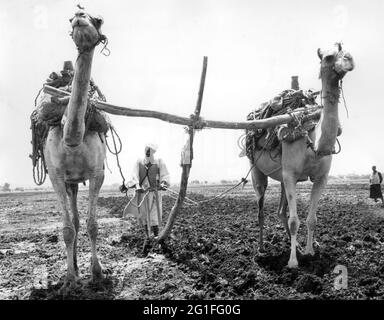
192, 202
113, 133
186, 203
140, 204
117, 151
39, 172
342, 94
243, 181
241, 142
339, 145
105, 43
39, 134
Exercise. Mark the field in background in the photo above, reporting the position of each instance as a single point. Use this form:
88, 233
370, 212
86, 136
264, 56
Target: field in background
211, 254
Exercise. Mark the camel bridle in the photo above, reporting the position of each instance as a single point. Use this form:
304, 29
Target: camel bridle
101, 39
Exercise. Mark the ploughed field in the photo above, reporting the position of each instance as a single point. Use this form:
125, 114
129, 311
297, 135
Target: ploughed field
212, 252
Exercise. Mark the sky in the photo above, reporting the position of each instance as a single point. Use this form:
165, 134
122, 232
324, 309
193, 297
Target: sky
157, 48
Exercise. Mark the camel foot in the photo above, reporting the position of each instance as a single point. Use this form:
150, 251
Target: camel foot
97, 272
309, 251
292, 264
71, 283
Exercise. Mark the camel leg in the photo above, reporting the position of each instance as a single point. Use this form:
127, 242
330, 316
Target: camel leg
260, 183
69, 231
95, 184
282, 211
72, 190
317, 189
293, 221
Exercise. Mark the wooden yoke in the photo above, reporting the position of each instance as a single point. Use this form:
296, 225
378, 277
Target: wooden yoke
201, 123
185, 162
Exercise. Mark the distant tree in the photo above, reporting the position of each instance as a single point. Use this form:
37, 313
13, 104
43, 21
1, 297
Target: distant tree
195, 182
19, 189
6, 187
224, 181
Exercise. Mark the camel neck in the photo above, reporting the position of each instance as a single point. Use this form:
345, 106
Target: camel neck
74, 127
330, 118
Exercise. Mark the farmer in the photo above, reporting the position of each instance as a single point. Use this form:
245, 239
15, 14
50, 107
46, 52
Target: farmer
375, 181
149, 175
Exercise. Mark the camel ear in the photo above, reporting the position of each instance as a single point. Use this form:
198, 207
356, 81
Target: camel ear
320, 53
99, 21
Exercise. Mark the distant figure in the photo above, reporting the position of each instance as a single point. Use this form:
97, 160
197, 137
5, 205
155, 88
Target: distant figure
375, 181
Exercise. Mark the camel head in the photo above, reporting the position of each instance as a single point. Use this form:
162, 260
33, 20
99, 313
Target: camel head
335, 63
86, 30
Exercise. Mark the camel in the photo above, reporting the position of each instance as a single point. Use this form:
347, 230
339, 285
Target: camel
298, 161
74, 155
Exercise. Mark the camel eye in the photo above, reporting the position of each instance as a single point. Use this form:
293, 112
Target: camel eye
81, 14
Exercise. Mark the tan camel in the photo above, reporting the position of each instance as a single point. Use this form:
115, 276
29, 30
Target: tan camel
298, 162
74, 155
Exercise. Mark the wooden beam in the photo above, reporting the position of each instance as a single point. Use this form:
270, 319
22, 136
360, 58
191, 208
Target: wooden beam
186, 166
199, 123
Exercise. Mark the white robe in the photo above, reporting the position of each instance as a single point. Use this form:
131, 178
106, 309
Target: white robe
149, 204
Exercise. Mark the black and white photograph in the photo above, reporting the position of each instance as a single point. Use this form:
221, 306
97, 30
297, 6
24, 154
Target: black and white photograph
210, 152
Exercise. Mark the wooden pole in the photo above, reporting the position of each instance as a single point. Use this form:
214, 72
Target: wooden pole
186, 167
130, 112
158, 210
295, 83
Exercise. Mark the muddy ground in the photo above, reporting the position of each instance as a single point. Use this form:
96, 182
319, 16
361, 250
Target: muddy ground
212, 252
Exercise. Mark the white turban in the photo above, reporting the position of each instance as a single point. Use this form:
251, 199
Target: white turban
153, 146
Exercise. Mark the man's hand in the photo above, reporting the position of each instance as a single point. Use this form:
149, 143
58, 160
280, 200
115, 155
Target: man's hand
163, 185
123, 188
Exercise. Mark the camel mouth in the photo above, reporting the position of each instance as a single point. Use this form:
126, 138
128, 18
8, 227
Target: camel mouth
350, 68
